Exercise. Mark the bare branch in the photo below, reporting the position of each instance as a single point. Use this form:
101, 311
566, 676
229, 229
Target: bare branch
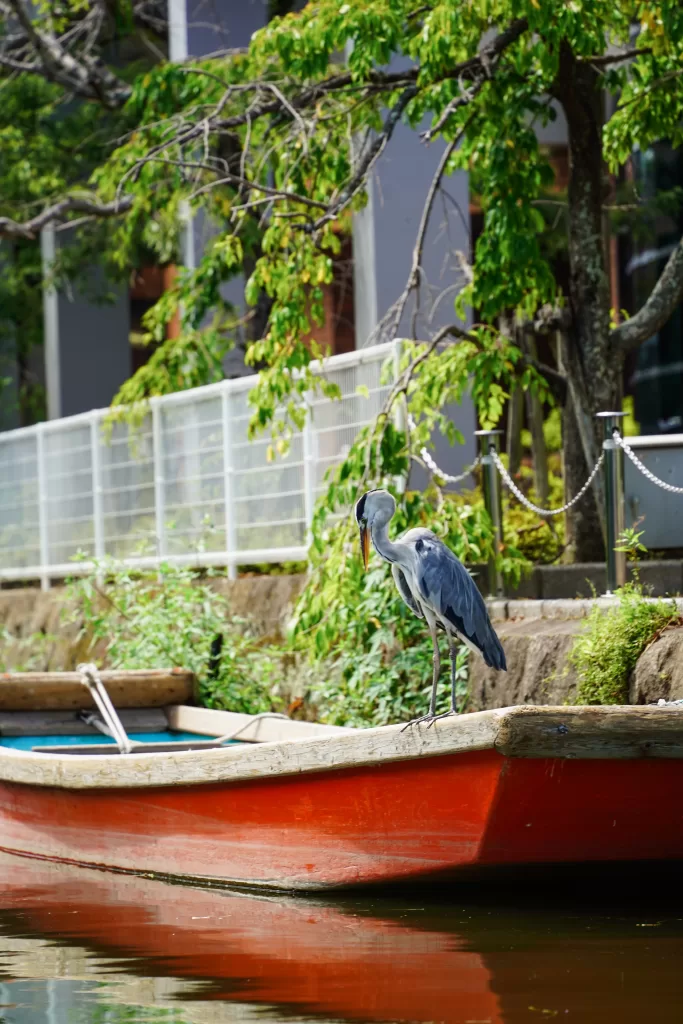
55, 214
86, 76
606, 59
370, 156
478, 70
665, 296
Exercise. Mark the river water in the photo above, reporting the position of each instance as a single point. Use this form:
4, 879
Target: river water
89, 947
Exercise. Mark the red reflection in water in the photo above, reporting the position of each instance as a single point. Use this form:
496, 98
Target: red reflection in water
356, 960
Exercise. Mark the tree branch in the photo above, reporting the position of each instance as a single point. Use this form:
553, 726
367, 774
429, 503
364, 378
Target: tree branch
68, 59
601, 61
477, 70
665, 296
54, 214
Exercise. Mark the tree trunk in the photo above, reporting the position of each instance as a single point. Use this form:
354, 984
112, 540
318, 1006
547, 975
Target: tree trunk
514, 438
515, 415
593, 370
583, 541
539, 453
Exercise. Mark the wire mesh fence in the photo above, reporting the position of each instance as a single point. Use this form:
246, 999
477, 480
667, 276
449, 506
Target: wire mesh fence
186, 485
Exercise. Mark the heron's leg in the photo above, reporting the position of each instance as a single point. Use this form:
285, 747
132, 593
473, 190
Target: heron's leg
436, 669
453, 653
436, 672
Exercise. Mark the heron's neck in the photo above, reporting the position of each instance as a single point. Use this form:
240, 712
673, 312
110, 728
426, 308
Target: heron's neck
387, 549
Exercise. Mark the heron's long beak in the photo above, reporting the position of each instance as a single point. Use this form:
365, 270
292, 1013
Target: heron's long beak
365, 545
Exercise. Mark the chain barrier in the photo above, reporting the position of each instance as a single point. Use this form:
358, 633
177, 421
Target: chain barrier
431, 464
512, 486
429, 461
618, 440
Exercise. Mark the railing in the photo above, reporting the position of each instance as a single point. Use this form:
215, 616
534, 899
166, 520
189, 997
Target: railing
611, 462
186, 486
189, 487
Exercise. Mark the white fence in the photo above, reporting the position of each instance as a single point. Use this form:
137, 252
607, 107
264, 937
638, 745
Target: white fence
187, 486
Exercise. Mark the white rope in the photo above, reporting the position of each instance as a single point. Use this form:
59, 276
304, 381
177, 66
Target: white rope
618, 439
90, 677
512, 486
428, 460
243, 728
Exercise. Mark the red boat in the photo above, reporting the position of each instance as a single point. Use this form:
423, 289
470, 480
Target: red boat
298, 806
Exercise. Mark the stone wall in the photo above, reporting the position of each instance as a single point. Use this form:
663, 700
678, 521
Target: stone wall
537, 635
36, 634
539, 672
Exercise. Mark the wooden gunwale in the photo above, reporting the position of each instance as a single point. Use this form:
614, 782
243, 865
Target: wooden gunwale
55, 691
518, 732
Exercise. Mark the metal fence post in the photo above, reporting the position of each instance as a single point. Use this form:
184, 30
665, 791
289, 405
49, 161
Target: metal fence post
158, 452
614, 501
42, 508
493, 502
97, 509
228, 495
308, 440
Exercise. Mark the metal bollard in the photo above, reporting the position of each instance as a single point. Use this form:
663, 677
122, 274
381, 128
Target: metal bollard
492, 500
614, 500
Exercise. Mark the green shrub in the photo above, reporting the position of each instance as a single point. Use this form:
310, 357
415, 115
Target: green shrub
605, 653
169, 617
25, 653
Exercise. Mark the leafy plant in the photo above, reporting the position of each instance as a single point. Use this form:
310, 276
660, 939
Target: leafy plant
173, 618
606, 652
630, 543
25, 653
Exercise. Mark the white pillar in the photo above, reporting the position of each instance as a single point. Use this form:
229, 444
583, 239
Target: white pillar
177, 52
177, 30
228, 490
364, 265
53, 379
364, 272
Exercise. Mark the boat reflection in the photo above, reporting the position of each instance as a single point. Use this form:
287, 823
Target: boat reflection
209, 956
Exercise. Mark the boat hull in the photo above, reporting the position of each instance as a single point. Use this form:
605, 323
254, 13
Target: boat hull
379, 823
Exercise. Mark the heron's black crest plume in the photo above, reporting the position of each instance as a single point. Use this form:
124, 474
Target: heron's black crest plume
360, 504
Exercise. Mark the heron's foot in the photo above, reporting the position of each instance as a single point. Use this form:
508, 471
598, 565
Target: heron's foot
444, 714
430, 719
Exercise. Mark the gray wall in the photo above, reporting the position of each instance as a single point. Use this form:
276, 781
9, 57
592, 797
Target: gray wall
213, 25
404, 174
94, 350
92, 341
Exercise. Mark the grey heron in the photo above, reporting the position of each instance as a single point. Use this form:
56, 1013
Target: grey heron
435, 585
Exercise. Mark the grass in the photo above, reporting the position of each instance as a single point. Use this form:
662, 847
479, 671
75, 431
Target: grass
606, 652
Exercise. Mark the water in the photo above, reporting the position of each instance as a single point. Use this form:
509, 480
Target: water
81, 946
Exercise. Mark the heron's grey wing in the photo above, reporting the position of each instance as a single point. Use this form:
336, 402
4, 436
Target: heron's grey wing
446, 585
404, 590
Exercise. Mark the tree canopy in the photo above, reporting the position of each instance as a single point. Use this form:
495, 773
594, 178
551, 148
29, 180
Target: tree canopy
276, 144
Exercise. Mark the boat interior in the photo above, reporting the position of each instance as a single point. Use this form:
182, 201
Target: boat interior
61, 713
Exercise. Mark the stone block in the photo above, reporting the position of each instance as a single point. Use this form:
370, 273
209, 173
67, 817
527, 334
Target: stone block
525, 609
528, 588
584, 579
659, 670
538, 672
498, 610
661, 578
564, 608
